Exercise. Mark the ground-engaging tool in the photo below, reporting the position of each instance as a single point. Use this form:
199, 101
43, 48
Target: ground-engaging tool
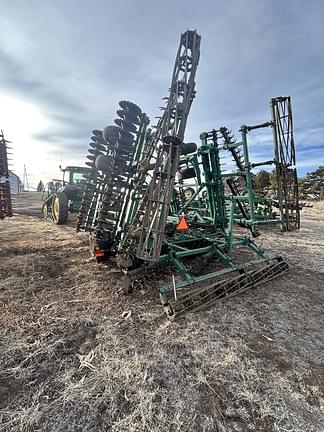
64, 196
112, 158
153, 201
5, 193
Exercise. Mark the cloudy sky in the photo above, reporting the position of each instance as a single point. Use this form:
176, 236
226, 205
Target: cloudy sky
65, 64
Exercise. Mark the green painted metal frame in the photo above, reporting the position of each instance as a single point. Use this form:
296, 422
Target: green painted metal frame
260, 209
221, 243
210, 212
219, 248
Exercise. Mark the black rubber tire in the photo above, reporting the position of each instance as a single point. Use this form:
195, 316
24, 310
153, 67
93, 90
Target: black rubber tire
60, 208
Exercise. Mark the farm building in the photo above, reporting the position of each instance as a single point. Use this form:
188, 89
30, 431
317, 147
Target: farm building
15, 183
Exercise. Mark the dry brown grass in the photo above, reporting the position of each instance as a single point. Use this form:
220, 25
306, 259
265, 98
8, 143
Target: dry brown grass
70, 362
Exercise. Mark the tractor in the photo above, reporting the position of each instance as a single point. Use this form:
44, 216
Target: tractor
64, 196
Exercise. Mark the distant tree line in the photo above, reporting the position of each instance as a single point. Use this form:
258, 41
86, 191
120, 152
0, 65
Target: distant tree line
312, 185
309, 187
40, 186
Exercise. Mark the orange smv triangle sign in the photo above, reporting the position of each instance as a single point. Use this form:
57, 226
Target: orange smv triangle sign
182, 224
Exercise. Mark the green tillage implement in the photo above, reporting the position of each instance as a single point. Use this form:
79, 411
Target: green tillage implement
141, 183
211, 234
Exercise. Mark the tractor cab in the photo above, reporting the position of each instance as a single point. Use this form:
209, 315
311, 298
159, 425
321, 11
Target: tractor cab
74, 175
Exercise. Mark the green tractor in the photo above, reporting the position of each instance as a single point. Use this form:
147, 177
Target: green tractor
64, 196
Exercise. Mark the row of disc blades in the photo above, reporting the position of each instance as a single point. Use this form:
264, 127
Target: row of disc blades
109, 158
87, 209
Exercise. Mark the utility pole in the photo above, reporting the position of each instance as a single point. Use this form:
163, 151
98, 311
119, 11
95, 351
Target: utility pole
25, 180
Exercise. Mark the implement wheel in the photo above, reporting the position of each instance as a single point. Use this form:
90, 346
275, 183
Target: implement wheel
60, 208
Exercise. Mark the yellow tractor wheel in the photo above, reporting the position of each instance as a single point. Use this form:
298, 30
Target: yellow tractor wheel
60, 208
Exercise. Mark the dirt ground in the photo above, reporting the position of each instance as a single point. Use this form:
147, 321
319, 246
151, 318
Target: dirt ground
69, 361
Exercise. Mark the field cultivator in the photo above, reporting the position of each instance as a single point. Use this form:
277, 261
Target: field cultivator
154, 202
5, 193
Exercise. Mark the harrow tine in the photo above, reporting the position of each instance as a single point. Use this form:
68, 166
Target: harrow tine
201, 298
